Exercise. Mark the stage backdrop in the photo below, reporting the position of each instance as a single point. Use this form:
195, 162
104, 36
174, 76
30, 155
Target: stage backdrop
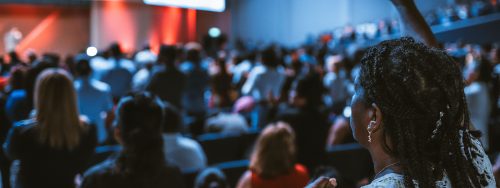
70, 29
46, 28
133, 24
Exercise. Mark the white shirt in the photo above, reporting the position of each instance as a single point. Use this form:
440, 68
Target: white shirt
227, 123
262, 81
481, 162
479, 103
240, 69
183, 152
94, 99
141, 80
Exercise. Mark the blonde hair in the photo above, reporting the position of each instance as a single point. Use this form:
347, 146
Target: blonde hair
274, 153
56, 110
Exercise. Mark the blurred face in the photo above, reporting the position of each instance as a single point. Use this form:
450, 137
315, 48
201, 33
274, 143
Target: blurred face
360, 117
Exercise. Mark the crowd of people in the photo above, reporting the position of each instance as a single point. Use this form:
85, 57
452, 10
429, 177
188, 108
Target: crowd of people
410, 108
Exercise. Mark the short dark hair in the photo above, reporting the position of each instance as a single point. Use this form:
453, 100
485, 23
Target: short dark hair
269, 57
310, 87
172, 119
82, 67
168, 54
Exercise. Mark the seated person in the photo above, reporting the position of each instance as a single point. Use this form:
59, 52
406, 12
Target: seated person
55, 145
233, 122
180, 151
273, 161
141, 163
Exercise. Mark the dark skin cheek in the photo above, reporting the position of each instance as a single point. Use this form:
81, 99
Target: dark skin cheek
359, 120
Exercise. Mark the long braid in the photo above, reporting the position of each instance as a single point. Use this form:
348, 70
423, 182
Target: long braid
420, 93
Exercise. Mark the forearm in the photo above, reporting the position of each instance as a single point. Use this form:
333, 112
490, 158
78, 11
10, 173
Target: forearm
413, 24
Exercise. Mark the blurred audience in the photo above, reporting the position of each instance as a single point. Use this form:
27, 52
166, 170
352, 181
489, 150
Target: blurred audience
119, 74
94, 97
180, 151
169, 82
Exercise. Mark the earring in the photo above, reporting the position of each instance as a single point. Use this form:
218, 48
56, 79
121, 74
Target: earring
370, 136
370, 131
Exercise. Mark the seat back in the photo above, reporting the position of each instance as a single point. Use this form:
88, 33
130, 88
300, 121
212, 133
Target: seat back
233, 170
222, 148
352, 161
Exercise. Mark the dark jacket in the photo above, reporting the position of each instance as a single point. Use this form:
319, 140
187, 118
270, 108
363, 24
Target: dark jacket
43, 166
107, 174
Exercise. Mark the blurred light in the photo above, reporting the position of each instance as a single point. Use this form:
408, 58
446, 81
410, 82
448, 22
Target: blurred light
208, 5
214, 32
347, 112
91, 51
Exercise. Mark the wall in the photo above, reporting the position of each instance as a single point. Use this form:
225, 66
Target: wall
62, 29
133, 24
291, 21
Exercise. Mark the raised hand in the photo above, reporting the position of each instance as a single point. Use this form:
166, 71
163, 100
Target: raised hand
323, 182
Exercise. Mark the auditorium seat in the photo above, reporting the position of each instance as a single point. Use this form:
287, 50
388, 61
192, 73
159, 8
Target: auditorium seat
233, 170
352, 161
222, 147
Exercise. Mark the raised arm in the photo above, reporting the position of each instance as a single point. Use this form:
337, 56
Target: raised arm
413, 23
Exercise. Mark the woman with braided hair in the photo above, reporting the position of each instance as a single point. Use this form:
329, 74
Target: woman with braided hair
409, 111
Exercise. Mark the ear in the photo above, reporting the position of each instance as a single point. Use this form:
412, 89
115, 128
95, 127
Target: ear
375, 119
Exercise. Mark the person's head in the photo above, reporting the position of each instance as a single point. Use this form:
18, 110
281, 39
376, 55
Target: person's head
269, 57
307, 91
409, 100
139, 120
14, 58
57, 110
333, 63
82, 67
211, 178
172, 119
274, 153
31, 56
193, 55
138, 130
167, 55
17, 78
115, 50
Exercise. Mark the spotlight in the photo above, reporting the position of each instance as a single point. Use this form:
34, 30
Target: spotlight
214, 32
91, 51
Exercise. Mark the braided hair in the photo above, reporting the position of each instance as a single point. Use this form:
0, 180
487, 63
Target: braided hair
419, 91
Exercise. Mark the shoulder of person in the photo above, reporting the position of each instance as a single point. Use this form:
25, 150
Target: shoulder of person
101, 86
388, 181
95, 175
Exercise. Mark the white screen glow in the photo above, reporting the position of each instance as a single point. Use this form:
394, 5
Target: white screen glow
208, 5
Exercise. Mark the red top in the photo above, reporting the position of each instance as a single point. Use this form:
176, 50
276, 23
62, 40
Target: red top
298, 178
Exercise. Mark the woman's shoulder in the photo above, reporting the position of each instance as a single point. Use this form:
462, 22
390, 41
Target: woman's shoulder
390, 180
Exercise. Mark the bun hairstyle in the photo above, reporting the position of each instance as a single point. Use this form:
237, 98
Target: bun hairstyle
420, 93
139, 121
